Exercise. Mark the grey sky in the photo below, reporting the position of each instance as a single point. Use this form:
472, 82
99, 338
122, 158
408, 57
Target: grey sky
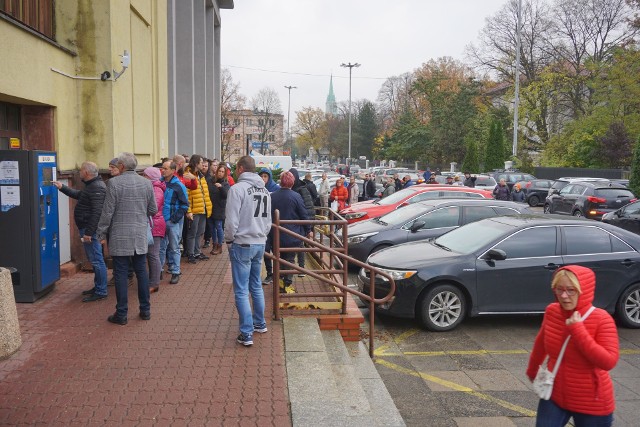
315, 36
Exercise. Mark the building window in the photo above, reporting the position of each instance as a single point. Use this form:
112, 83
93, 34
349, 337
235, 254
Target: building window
272, 138
238, 136
249, 122
236, 151
236, 122
225, 122
36, 14
272, 122
9, 124
260, 122
249, 136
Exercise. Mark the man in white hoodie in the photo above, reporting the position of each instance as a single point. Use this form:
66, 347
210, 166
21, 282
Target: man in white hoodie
247, 224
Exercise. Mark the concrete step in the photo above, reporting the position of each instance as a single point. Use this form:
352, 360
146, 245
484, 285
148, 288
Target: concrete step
333, 383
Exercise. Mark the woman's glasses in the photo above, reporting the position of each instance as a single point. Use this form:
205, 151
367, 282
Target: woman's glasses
560, 291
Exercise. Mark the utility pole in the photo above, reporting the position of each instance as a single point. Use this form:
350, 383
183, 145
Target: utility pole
350, 66
288, 120
517, 80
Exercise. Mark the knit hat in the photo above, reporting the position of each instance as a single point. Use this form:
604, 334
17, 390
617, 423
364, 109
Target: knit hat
113, 162
287, 180
152, 173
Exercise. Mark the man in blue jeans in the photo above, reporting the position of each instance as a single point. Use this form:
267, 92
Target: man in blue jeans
247, 224
175, 207
86, 215
128, 204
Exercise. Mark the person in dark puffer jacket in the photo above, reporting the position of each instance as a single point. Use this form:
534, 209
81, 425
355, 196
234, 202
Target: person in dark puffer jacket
86, 215
582, 388
301, 188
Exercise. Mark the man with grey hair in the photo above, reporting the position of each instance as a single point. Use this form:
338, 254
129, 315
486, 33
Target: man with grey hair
86, 215
128, 204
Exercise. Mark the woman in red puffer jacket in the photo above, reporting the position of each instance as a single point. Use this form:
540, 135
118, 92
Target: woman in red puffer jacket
339, 194
582, 388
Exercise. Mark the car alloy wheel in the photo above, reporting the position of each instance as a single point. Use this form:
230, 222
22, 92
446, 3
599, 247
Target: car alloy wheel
547, 208
628, 309
534, 201
577, 213
442, 308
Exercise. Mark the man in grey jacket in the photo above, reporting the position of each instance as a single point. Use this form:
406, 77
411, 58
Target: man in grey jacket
247, 224
125, 218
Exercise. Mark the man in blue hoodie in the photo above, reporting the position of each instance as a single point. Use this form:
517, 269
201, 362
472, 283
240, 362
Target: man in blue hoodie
267, 177
247, 224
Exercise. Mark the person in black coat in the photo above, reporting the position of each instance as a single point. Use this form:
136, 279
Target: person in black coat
291, 206
312, 189
86, 215
218, 189
301, 188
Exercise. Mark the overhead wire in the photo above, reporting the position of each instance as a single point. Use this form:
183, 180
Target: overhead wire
302, 74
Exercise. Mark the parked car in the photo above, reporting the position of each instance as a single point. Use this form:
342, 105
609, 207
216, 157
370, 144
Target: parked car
504, 265
416, 193
423, 220
535, 190
560, 183
510, 176
484, 182
588, 199
627, 217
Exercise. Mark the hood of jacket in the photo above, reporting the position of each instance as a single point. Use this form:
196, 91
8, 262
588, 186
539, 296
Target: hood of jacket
252, 178
295, 173
271, 185
587, 279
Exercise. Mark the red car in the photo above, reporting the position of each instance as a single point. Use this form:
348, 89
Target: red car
416, 193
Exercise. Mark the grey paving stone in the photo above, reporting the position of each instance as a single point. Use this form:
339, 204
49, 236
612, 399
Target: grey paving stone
302, 334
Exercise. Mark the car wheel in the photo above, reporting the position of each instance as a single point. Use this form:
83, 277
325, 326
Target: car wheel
442, 308
577, 213
628, 307
534, 201
547, 208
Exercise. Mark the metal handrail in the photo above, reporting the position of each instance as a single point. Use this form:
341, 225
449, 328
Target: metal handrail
336, 255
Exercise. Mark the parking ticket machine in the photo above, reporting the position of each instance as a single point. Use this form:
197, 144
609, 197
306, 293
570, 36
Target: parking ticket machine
29, 230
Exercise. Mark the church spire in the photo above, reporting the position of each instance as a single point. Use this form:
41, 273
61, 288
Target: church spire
331, 107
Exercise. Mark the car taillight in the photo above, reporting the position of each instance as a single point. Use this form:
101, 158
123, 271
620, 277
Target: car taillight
633, 200
528, 184
594, 199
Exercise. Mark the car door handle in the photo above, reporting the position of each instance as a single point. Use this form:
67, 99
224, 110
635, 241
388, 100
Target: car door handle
627, 262
551, 267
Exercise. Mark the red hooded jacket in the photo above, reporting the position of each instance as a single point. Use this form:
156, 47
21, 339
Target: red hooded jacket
583, 383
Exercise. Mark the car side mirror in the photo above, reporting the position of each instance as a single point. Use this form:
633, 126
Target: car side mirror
496, 254
416, 226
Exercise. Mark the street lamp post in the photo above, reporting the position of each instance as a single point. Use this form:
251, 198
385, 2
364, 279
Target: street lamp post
288, 120
350, 66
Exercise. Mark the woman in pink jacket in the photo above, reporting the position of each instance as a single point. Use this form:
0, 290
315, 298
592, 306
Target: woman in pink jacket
158, 229
582, 388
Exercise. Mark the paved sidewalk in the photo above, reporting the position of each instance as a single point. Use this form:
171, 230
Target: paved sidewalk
183, 367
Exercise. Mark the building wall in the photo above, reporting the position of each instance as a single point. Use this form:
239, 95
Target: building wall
92, 119
194, 76
242, 123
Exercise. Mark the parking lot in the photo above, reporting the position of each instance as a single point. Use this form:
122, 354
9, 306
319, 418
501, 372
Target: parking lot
475, 374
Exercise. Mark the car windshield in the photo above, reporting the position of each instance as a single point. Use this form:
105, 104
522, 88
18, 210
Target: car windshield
471, 237
614, 193
401, 216
397, 197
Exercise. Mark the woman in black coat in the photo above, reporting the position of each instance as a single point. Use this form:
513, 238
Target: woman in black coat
218, 189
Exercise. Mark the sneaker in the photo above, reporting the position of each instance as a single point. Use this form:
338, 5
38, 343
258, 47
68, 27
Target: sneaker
89, 291
202, 257
145, 315
206, 244
192, 260
260, 330
175, 278
93, 297
267, 280
244, 340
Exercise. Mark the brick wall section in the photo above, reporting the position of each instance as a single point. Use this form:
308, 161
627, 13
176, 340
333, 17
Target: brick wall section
348, 324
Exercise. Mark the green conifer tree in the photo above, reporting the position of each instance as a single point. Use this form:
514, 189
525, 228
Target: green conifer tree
470, 162
634, 181
494, 155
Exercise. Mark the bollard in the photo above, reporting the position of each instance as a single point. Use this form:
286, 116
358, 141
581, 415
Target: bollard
10, 339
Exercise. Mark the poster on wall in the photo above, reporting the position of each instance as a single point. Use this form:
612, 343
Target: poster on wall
9, 197
9, 172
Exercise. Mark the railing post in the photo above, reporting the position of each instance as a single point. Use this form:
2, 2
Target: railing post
345, 269
275, 250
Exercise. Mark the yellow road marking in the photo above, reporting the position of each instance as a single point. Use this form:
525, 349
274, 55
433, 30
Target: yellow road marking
458, 387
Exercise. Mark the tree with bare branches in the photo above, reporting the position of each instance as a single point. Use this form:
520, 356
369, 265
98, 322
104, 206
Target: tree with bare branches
266, 104
231, 100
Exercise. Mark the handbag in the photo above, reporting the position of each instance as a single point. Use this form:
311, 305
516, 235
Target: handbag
150, 241
334, 206
543, 382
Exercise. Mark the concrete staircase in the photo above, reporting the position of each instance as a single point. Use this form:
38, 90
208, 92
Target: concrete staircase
333, 383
